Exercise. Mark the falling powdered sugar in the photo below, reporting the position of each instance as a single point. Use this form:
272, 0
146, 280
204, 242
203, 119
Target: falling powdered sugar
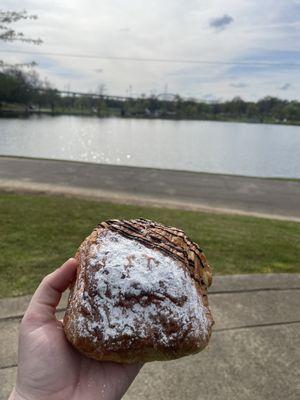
139, 292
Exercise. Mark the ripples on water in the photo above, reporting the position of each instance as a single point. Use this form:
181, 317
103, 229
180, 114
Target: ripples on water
221, 147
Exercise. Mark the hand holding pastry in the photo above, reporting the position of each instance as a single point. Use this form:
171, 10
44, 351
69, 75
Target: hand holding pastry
138, 293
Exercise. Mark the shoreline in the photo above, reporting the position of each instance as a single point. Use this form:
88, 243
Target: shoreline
25, 114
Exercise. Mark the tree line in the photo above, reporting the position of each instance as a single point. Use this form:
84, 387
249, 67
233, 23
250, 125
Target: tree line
24, 90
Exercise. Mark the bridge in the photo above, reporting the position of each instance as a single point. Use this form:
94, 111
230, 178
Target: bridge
71, 93
163, 96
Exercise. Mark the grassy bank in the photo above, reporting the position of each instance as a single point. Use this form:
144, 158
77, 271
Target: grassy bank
17, 110
37, 233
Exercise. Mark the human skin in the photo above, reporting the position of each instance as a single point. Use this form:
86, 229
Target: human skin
49, 368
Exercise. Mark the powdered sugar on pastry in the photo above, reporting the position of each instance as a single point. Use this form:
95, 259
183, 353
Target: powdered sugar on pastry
137, 292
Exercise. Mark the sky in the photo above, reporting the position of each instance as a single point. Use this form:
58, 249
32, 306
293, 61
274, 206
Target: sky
251, 44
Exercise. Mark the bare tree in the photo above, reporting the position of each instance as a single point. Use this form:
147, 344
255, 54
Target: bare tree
8, 34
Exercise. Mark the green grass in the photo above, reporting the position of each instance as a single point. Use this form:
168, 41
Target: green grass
37, 233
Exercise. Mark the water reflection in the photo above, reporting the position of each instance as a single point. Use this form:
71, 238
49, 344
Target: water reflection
234, 148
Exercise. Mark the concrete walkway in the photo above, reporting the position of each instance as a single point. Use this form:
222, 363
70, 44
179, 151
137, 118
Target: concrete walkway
190, 190
254, 351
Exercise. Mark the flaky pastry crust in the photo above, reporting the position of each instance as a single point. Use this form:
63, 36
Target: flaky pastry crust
140, 294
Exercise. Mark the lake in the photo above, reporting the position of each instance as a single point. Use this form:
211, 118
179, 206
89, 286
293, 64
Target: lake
220, 147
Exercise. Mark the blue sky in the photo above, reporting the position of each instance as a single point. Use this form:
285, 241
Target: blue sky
223, 31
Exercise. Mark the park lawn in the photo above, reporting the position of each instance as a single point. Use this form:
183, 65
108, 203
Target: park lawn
38, 233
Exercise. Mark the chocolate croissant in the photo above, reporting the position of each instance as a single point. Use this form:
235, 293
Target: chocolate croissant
140, 294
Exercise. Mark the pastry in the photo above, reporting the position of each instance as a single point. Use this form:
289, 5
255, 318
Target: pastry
140, 294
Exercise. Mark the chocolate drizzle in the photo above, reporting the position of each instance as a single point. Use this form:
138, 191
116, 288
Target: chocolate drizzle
171, 241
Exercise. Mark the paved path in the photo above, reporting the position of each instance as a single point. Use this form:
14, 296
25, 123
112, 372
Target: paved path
254, 351
191, 190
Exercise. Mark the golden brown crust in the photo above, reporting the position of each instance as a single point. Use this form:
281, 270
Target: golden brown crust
173, 330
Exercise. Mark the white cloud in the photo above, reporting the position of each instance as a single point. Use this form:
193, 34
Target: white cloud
238, 85
169, 30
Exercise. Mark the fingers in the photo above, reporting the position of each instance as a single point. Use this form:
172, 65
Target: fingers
47, 296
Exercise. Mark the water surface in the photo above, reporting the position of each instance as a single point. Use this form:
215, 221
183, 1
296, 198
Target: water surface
221, 147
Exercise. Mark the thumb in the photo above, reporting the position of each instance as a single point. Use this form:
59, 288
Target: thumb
43, 304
